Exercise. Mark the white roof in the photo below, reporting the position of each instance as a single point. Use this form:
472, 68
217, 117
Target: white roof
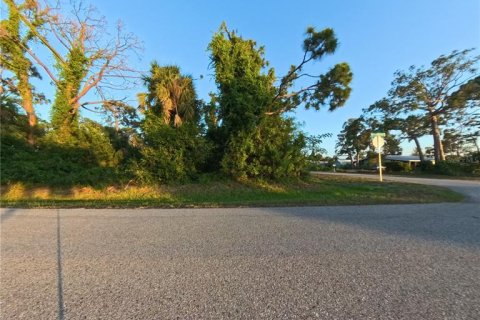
405, 158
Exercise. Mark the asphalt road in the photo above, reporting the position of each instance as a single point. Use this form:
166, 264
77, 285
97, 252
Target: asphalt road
357, 262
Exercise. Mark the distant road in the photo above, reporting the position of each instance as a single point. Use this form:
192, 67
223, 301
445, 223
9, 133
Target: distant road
469, 188
345, 262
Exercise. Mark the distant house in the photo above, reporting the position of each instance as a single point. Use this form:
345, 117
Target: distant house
413, 161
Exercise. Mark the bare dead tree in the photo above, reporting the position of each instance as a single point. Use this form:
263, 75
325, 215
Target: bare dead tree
92, 60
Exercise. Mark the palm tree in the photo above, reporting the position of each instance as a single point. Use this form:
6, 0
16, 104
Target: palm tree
170, 95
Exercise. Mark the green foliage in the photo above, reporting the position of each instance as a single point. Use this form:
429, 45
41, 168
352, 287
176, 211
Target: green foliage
445, 91
313, 149
273, 150
94, 138
391, 146
64, 111
244, 119
14, 43
51, 165
397, 166
170, 154
173, 148
331, 88
170, 95
244, 91
353, 139
91, 160
236, 112
452, 169
247, 134
12, 123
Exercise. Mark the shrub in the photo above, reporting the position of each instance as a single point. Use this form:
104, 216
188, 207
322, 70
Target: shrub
171, 154
86, 159
453, 168
396, 166
273, 150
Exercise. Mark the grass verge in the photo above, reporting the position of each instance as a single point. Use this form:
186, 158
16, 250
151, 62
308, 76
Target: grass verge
318, 191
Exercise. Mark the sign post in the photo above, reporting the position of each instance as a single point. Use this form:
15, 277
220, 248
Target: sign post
378, 142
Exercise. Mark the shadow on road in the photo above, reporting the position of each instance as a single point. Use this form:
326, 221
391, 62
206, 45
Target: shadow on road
7, 213
446, 222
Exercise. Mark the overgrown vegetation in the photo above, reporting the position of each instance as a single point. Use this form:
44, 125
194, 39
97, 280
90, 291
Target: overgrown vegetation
441, 100
171, 136
215, 192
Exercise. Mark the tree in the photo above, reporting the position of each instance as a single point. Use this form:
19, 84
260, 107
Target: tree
382, 116
313, 149
467, 119
247, 96
173, 148
13, 44
353, 139
392, 145
272, 150
429, 92
244, 92
13, 124
345, 147
453, 142
94, 60
331, 88
171, 95
413, 128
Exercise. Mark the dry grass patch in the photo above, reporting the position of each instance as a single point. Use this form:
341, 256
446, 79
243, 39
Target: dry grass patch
323, 190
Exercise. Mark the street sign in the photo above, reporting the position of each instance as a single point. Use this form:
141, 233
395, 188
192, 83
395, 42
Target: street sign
378, 142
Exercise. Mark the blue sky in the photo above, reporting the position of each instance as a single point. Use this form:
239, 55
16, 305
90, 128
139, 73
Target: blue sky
376, 38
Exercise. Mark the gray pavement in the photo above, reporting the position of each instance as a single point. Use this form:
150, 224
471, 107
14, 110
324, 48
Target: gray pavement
357, 262
469, 188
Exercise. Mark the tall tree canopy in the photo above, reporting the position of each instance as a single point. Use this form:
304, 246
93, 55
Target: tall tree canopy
437, 93
88, 59
170, 95
353, 139
382, 117
248, 95
14, 43
173, 148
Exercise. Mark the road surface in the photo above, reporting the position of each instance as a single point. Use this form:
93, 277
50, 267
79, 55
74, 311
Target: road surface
356, 262
469, 188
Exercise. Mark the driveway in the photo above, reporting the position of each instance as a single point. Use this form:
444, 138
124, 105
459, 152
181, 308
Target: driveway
355, 262
469, 188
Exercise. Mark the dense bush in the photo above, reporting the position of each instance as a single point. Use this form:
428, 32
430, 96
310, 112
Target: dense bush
51, 164
88, 158
452, 168
171, 154
242, 132
272, 151
396, 166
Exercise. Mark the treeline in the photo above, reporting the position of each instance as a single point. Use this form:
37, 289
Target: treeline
170, 135
441, 100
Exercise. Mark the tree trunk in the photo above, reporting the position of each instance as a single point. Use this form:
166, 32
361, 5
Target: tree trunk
476, 145
32, 123
437, 141
27, 104
419, 149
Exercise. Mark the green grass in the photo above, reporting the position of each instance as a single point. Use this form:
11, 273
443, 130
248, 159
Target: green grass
324, 190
